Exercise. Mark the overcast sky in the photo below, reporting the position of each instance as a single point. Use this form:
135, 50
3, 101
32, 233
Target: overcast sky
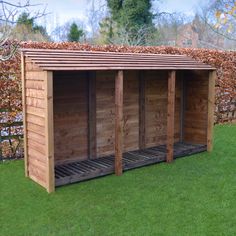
64, 10
67, 9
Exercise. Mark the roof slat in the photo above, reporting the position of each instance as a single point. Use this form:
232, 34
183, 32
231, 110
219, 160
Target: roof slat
50, 59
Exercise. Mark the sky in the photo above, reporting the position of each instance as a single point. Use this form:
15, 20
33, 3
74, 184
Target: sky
67, 9
64, 10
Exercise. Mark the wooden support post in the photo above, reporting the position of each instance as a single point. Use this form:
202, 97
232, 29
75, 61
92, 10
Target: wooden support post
142, 111
24, 115
170, 116
92, 146
211, 108
49, 133
118, 122
182, 106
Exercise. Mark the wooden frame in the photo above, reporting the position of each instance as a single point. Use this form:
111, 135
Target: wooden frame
98, 131
50, 179
24, 114
118, 122
170, 116
211, 106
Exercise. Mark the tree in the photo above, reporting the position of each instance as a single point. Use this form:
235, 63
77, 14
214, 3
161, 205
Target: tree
27, 29
220, 15
132, 19
75, 33
8, 13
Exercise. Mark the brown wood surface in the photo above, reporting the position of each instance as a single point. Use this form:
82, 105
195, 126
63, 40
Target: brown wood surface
34, 113
70, 116
49, 133
118, 122
92, 146
195, 113
210, 108
23, 80
170, 116
142, 112
82, 60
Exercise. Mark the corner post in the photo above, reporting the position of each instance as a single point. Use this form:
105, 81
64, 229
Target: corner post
211, 106
118, 121
49, 133
24, 114
170, 116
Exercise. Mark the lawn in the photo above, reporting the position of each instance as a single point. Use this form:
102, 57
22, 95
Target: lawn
193, 196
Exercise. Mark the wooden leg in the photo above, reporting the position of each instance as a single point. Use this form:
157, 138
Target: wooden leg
211, 106
118, 122
170, 116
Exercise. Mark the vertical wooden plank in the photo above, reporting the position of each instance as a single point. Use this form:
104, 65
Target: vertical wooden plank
182, 106
24, 114
49, 133
170, 115
211, 106
142, 111
118, 122
92, 115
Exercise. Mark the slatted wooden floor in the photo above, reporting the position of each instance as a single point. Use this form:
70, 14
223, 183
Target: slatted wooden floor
88, 169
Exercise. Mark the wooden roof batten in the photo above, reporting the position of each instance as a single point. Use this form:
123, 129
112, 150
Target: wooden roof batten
64, 60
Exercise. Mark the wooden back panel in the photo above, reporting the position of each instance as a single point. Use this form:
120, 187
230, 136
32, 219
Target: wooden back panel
71, 112
196, 100
70, 116
156, 107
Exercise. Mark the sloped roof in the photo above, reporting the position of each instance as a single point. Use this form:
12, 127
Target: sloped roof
56, 60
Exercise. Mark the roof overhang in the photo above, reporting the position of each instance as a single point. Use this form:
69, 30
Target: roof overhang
58, 60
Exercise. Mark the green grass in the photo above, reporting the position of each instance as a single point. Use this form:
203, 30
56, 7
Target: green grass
193, 196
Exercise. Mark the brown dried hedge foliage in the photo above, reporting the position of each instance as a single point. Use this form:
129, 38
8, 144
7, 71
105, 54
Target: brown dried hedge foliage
224, 61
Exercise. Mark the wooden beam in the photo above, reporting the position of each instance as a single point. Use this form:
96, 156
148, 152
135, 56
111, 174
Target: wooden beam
182, 105
142, 111
92, 146
170, 116
118, 122
211, 108
49, 133
24, 114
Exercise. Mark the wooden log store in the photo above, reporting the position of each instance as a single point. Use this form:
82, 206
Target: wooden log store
89, 114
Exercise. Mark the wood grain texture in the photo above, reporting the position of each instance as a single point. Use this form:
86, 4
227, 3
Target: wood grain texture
170, 116
34, 112
92, 140
105, 112
210, 108
196, 100
118, 122
23, 80
142, 109
82, 60
49, 132
155, 108
70, 116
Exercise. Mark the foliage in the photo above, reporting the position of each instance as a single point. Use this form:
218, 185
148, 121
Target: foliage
192, 196
27, 29
10, 107
220, 15
132, 19
75, 33
226, 15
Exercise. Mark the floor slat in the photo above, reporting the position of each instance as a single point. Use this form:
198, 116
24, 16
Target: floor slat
82, 170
